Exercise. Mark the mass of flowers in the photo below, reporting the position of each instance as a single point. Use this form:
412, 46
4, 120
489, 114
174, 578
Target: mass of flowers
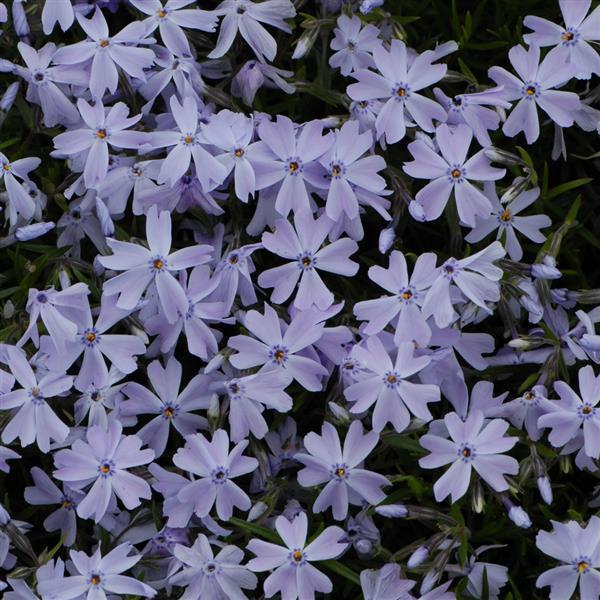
299, 299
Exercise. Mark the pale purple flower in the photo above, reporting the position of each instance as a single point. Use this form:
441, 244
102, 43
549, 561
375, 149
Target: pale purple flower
171, 407
52, 307
103, 394
575, 411
93, 341
171, 17
57, 11
43, 492
101, 129
103, 461
353, 45
204, 574
156, 265
475, 276
471, 446
280, 347
471, 110
578, 550
347, 171
107, 52
533, 88
302, 245
505, 219
216, 466
403, 307
294, 577
246, 17
397, 83
96, 576
254, 74
250, 395
451, 172
524, 412
341, 469
187, 144
571, 41
34, 421
234, 276
385, 583
20, 202
385, 384
291, 157
203, 309
46, 83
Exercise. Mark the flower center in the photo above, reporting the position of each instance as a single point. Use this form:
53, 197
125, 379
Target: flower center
219, 475
401, 92
239, 152
279, 355
39, 77
567, 36
583, 566
506, 215
101, 134
586, 410
35, 392
103, 43
456, 173
6, 167
233, 259
188, 139
466, 452
158, 263
293, 166
406, 295
529, 396
42, 298
168, 412
95, 579
136, 171
90, 337
66, 503
336, 170
105, 468
297, 555
161, 14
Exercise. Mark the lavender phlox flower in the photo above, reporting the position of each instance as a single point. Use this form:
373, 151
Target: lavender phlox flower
44, 491
103, 461
475, 276
202, 340
46, 84
574, 411
246, 17
385, 583
171, 407
506, 220
156, 265
107, 52
341, 469
93, 341
571, 41
168, 484
34, 421
386, 385
20, 202
397, 83
216, 466
347, 167
291, 157
97, 575
101, 129
353, 45
578, 550
171, 18
283, 347
452, 172
57, 11
524, 411
187, 142
103, 394
53, 306
534, 87
302, 244
472, 445
81, 222
234, 276
254, 74
249, 396
471, 110
220, 576
403, 307
294, 575
233, 133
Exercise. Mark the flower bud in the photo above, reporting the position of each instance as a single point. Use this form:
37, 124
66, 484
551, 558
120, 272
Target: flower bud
542, 271
257, 511
516, 187
9, 96
363, 546
519, 517
305, 43
35, 230
418, 557
340, 414
392, 511
213, 407
8, 310
545, 489
503, 157
429, 581
386, 239
366, 6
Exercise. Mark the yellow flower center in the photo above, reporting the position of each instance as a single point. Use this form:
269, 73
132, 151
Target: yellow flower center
586, 410
336, 170
340, 471
401, 92
188, 139
293, 167
391, 378
530, 90
297, 555
306, 261
567, 36
90, 337
279, 355
505, 215
582, 567
406, 295
466, 452
169, 412
6, 167
158, 263
103, 43
96, 579
66, 504
105, 468
161, 14
456, 173
101, 134
239, 152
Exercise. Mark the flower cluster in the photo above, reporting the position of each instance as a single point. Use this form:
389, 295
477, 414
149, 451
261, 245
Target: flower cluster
240, 347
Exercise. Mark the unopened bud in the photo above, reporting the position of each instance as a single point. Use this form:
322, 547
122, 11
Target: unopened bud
564, 462
33, 231
545, 488
366, 6
503, 157
9, 309
519, 517
386, 239
514, 189
340, 414
257, 511
429, 581
213, 407
392, 511
9, 96
305, 43
418, 557
363, 546
477, 498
